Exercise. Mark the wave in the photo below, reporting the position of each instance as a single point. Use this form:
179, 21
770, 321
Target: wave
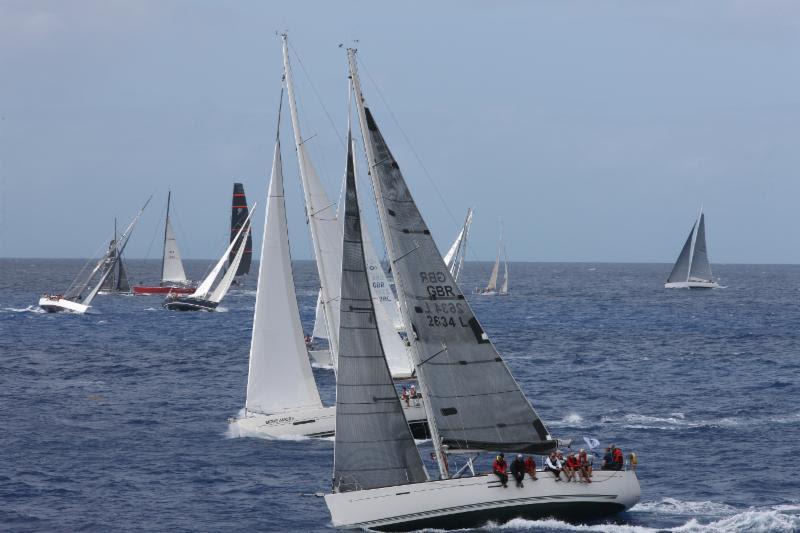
679, 420
673, 506
30, 309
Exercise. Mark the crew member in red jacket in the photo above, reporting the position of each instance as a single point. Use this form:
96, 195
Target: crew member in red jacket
500, 468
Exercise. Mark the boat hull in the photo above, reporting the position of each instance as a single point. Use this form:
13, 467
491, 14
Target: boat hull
313, 423
474, 501
692, 285
59, 305
144, 290
189, 304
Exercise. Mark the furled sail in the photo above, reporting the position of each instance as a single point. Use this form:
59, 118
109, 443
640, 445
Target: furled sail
700, 269
280, 375
374, 446
472, 397
171, 265
238, 216
680, 272
326, 233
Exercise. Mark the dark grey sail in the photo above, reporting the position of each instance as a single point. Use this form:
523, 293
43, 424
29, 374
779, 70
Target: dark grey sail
122, 277
238, 216
701, 268
374, 446
680, 272
110, 283
473, 397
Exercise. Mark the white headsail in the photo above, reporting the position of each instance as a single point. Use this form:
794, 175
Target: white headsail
454, 259
280, 375
172, 265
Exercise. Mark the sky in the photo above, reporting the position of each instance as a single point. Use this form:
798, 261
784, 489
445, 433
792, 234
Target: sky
592, 131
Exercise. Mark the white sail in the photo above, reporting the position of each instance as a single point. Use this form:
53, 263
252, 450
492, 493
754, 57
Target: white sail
504, 287
172, 265
205, 286
224, 285
320, 331
492, 285
454, 259
326, 232
280, 375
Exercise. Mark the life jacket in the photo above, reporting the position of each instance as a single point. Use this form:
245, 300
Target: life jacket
499, 466
618, 457
572, 462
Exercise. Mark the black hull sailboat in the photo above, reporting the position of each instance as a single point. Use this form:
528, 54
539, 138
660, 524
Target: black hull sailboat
186, 303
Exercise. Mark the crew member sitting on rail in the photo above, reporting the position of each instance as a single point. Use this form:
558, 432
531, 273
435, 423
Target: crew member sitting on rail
518, 470
500, 468
552, 464
530, 467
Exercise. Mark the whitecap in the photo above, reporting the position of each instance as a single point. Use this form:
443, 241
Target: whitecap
30, 309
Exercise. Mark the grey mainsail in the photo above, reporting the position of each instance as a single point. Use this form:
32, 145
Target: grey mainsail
680, 272
122, 277
374, 446
110, 284
700, 269
471, 395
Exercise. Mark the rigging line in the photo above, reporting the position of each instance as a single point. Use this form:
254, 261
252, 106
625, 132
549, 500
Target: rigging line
408, 141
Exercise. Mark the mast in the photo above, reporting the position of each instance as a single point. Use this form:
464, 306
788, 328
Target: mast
164, 247
371, 162
326, 232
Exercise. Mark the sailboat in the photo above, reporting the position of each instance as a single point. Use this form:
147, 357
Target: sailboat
326, 238
238, 215
204, 298
491, 287
117, 279
76, 299
692, 269
472, 400
282, 396
173, 276
454, 258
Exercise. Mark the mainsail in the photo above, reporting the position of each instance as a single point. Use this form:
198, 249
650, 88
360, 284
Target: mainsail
680, 272
454, 259
492, 285
374, 446
504, 287
473, 401
700, 269
117, 279
238, 216
326, 233
280, 375
171, 264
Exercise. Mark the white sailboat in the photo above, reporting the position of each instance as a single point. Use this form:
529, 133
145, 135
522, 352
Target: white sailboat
491, 287
692, 270
282, 396
75, 299
204, 298
454, 258
472, 400
326, 237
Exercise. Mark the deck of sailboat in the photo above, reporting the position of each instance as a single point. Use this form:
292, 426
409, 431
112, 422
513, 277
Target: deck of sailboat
474, 501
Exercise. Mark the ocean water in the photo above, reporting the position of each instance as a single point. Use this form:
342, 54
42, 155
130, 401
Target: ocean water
116, 420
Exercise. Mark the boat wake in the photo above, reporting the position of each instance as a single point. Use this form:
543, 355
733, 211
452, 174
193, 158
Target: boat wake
30, 309
679, 421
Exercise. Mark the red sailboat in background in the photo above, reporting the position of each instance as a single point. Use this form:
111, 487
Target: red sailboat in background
173, 276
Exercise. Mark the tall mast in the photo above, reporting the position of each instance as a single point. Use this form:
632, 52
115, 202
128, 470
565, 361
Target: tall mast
371, 162
164, 247
325, 237
116, 250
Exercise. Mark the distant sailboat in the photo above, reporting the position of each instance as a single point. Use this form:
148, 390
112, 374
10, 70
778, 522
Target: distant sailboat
692, 270
238, 216
76, 299
204, 298
473, 402
117, 279
282, 396
491, 287
173, 276
454, 259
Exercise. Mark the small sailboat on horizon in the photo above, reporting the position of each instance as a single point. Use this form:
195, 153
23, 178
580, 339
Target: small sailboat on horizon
75, 299
173, 275
491, 287
692, 270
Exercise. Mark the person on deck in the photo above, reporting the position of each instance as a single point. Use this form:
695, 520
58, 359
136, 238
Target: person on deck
586, 465
404, 396
530, 467
500, 469
618, 458
572, 466
608, 459
552, 464
518, 470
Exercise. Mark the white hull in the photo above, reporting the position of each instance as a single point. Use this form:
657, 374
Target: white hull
472, 501
57, 305
692, 285
313, 423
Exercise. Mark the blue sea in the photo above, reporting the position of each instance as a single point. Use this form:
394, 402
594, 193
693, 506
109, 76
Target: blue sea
117, 420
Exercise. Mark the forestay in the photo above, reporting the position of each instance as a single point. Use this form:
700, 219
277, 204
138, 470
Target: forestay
280, 375
472, 396
374, 446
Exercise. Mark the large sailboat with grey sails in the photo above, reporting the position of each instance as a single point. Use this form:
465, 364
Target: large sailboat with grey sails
692, 270
472, 400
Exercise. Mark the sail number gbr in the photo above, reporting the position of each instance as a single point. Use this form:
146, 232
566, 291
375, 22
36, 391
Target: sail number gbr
441, 314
